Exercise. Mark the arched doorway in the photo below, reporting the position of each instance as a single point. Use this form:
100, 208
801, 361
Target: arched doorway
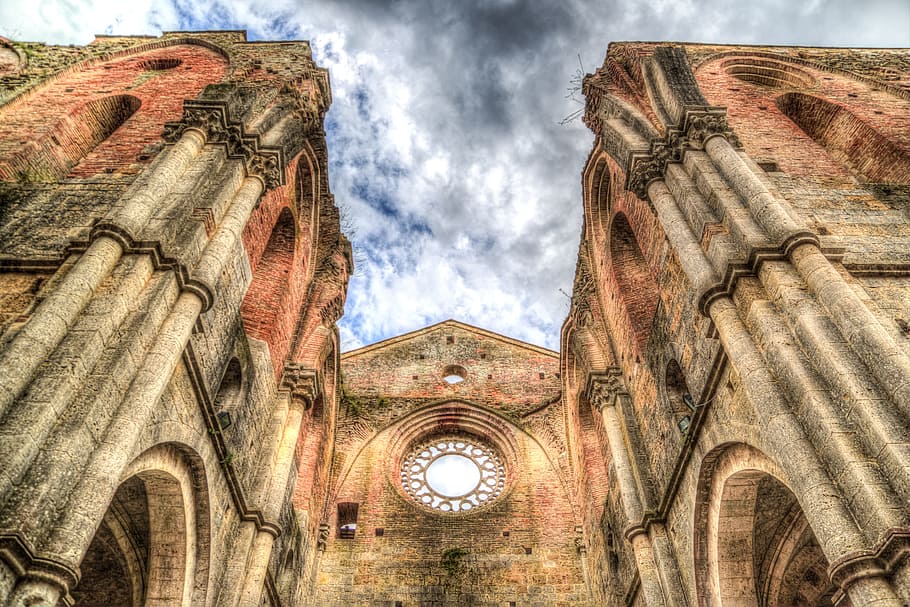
151, 546
755, 545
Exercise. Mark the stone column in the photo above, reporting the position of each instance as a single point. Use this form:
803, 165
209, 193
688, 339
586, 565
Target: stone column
301, 388
604, 393
822, 503
855, 321
72, 533
54, 316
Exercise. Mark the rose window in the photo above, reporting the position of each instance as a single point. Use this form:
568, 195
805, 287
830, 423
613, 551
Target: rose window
453, 474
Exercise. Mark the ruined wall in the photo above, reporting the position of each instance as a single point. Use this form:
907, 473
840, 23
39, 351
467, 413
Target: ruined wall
745, 244
520, 548
155, 382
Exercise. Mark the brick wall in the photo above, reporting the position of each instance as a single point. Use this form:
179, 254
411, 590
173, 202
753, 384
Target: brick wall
521, 548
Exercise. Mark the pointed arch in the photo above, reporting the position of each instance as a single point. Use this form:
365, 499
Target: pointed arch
152, 546
753, 543
268, 298
53, 155
636, 285
847, 138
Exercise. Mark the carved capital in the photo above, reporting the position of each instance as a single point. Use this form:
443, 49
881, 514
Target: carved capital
211, 119
301, 383
580, 545
643, 169
698, 125
603, 388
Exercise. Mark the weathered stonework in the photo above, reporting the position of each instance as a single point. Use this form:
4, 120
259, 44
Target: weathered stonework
738, 326
727, 421
168, 250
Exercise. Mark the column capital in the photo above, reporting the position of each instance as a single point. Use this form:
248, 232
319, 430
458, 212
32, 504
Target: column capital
302, 383
602, 388
698, 124
211, 120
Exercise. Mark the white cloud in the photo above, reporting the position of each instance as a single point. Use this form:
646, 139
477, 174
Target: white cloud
445, 145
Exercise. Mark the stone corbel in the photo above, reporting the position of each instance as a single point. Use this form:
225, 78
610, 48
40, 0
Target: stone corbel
303, 384
210, 118
603, 388
322, 540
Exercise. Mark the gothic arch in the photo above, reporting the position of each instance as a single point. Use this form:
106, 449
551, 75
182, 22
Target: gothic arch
847, 138
597, 199
52, 155
94, 98
637, 286
152, 546
676, 394
230, 390
753, 544
268, 298
308, 193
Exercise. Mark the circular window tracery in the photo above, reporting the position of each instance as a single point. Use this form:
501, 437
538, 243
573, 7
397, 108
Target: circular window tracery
453, 474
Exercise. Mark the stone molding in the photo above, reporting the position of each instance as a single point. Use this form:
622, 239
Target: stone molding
878, 562
210, 118
699, 124
25, 563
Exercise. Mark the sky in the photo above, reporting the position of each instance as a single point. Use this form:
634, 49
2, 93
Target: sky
454, 149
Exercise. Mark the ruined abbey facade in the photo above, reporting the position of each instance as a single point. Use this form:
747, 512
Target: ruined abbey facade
727, 421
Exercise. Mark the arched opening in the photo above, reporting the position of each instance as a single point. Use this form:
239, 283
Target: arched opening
53, 155
151, 547
139, 554
229, 393
308, 208
115, 568
599, 201
847, 138
768, 73
267, 299
637, 286
756, 547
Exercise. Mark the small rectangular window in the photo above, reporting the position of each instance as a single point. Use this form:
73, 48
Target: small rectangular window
450, 339
347, 520
380, 531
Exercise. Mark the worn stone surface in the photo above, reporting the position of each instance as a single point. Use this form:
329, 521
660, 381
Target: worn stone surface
726, 421
144, 400
766, 253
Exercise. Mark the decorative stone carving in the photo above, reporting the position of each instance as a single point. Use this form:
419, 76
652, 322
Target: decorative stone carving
211, 119
698, 125
302, 383
603, 388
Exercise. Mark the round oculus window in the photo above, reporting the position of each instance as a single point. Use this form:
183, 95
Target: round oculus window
454, 474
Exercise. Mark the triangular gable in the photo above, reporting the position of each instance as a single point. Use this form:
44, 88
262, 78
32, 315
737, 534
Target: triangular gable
439, 327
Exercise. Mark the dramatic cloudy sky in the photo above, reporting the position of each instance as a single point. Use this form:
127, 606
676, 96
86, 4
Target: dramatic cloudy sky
460, 185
